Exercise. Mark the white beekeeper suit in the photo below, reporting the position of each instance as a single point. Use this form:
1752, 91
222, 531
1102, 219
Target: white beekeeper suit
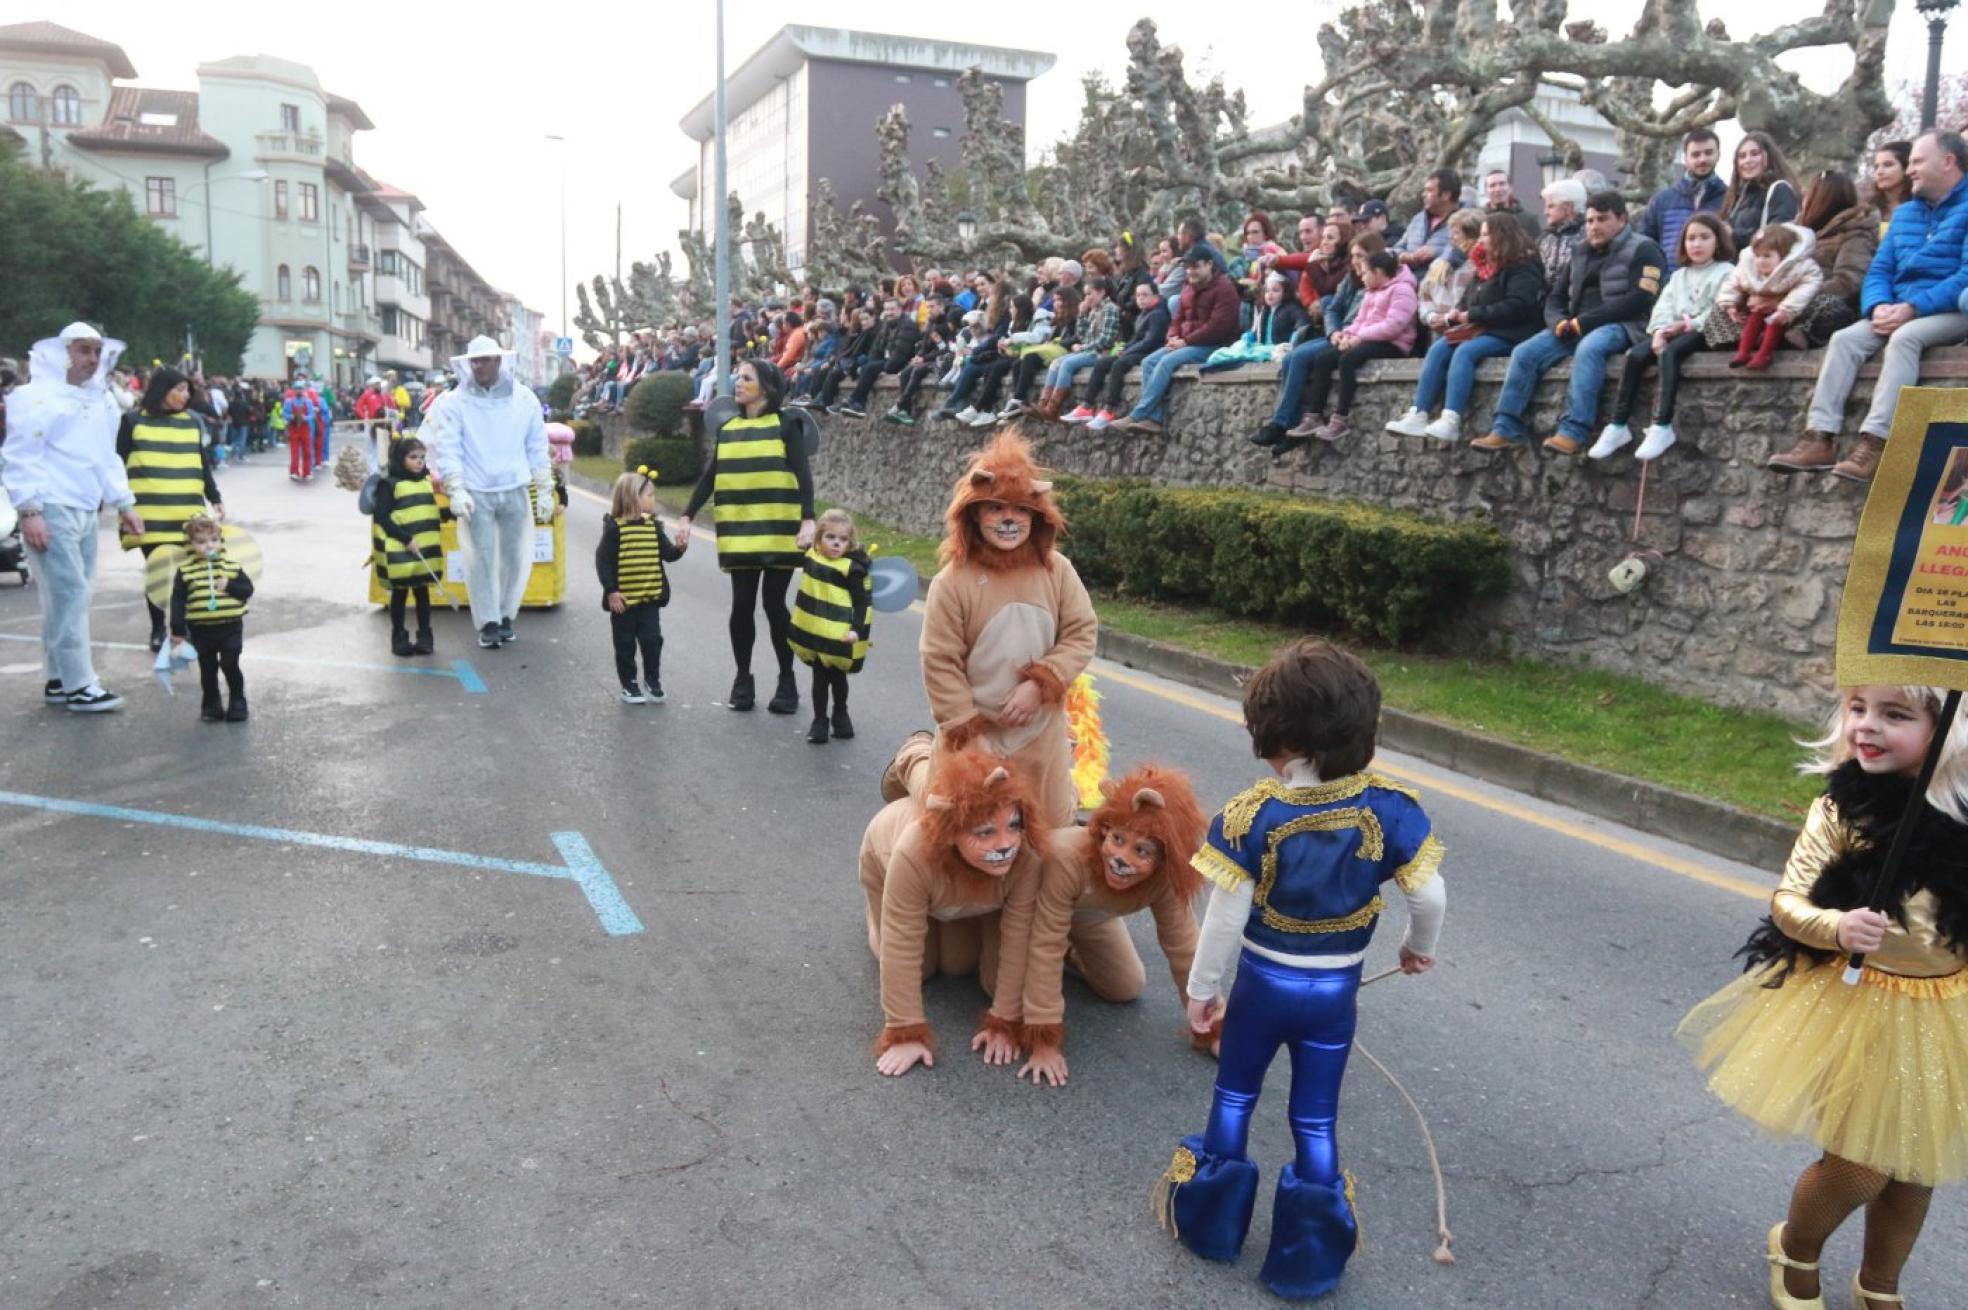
59, 462
492, 454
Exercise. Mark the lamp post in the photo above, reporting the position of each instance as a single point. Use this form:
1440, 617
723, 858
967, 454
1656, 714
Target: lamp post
250, 175
721, 259
565, 331
1936, 13
966, 227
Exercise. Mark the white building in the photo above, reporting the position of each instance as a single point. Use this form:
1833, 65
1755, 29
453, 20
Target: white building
256, 169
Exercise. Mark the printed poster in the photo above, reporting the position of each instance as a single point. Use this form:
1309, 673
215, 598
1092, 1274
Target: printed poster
543, 545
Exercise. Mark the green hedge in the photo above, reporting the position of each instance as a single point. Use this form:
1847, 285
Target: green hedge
1318, 564
560, 392
587, 436
674, 458
656, 401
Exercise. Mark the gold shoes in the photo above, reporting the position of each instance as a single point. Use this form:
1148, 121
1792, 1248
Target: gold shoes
1864, 1300
1779, 1262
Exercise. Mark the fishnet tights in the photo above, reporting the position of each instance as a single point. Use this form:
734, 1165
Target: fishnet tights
1826, 1195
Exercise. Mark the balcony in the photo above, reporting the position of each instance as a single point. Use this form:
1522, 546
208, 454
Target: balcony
358, 259
290, 147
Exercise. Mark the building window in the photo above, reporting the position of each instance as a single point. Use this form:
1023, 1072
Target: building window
311, 285
280, 200
20, 103
386, 263
942, 82
290, 118
389, 320
939, 132
68, 107
901, 79
283, 284
161, 197
310, 203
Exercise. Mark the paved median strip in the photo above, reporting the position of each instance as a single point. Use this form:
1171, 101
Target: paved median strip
581, 866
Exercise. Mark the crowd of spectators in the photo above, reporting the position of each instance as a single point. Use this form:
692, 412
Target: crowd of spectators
1750, 263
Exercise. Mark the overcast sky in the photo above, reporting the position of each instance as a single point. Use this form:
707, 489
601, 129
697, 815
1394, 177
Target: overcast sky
462, 96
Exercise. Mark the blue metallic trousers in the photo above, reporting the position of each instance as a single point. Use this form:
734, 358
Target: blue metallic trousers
1310, 1011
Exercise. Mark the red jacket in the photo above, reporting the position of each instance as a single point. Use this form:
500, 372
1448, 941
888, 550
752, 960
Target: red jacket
1208, 314
371, 405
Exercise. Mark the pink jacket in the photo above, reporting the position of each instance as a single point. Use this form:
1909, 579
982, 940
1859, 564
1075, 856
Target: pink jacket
1389, 313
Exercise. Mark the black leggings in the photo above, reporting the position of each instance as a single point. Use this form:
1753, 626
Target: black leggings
638, 626
746, 584
218, 646
823, 679
157, 615
1111, 372
1672, 354
1348, 365
913, 378
397, 598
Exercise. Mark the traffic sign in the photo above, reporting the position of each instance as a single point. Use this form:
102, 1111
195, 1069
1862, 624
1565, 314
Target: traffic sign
564, 346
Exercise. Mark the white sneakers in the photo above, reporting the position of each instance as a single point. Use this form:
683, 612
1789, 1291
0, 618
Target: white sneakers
1615, 437
967, 414
1414, 423
1446, 428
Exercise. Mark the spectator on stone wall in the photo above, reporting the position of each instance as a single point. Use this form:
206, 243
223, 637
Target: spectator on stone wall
1564, 228
1500, 310
1888, 180
1442, 289
1385, 328
1374, 216
1289, 420
1206, 318
1762, 189
1260, 246
1109, 375
894, 346
1275, 328
1320, 263
1599, 312
1499, 197
1910, 303
1427, 237
1698, 191
1848, 237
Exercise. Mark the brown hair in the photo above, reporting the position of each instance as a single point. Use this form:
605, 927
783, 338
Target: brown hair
1505, 241
1264, 224
1367, 243
1776, 239
201, 523
1316, 700
1775, 169
837, 518
625, 497
1831, 195
1725, 240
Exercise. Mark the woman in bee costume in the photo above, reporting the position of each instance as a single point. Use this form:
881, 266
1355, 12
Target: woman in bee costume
164, 448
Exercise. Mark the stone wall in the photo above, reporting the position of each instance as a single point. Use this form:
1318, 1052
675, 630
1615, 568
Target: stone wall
1745, 565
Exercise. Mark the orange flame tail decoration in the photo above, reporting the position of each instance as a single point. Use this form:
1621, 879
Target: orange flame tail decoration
1089, 740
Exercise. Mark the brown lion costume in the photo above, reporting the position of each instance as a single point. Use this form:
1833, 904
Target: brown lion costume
997, 618
930, 912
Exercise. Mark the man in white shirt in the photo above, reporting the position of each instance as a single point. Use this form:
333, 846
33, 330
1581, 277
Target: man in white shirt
59, 467
492, 454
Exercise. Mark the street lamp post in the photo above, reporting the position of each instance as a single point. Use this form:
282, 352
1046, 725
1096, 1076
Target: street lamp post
251, 175
1936, 13
721, 260
565, 329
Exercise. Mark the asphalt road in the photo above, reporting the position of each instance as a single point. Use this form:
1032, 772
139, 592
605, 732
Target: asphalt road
258, 1071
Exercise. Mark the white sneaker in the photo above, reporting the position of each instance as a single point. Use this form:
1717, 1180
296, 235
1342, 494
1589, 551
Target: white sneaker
967, 414
1613, 438
1414, 423
982, 419
1446, 428
1659, 437
1100, 422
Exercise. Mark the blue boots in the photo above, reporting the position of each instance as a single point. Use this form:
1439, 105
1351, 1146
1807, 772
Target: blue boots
1207, 1201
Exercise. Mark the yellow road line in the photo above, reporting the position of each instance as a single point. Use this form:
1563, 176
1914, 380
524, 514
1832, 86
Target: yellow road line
1524, 814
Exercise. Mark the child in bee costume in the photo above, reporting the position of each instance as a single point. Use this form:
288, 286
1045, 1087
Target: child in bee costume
406, 531
831, 615
208, 605
634, 584
1298, 862
1008, 626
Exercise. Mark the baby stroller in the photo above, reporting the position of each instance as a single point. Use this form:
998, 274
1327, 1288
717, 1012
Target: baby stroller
13, 553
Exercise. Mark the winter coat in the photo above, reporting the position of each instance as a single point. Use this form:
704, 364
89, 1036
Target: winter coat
1796, 277
1555, 246
1208, 314
1387, 313
1271, 331
1921, 262
1757, 207
1690, 294
1616, 285
1509, 303
1671, 208
1846, 244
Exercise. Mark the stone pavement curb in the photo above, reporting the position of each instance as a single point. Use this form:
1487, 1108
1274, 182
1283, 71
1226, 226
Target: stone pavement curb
1708, 825
1720, 829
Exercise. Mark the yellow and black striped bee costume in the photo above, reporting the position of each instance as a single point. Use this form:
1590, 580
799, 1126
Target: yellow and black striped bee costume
166, 463
833, 601
758, 497
630, 560
406, 513
211, 591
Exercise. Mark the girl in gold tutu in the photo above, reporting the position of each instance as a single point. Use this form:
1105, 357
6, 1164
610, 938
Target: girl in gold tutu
1876, 1074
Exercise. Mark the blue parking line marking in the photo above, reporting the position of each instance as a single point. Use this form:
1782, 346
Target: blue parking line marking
462, 670
600, 889
582, 867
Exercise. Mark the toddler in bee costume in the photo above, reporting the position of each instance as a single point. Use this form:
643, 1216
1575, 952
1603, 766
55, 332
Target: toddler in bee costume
831, 615
634, 584
1875, 1074
1007, 626
406, 533
208, 605
1298, 862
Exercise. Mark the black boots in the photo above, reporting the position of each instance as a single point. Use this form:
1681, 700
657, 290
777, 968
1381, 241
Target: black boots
843, 726
400, 642
425, 643
786, 700
742, 695
236, 712
817, 734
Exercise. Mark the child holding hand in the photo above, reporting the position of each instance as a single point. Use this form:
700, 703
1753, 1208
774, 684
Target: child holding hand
634, 584
831, 617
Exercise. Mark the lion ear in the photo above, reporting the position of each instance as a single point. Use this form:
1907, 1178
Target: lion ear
1149, 799
998, 775
982, 477
1109, 788
1041, 488
941, 804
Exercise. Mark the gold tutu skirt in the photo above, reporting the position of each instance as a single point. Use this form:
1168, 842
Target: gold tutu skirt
1876, 1073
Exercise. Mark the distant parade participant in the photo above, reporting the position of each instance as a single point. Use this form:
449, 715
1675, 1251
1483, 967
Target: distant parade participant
167, 454
59, 467
492, 455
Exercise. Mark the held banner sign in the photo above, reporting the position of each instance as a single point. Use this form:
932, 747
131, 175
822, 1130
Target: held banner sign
1904, 615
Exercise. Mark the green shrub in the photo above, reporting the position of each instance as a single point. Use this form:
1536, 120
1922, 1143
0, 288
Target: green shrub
655, 403
1378, 572
560, 392
587, 436
674, 458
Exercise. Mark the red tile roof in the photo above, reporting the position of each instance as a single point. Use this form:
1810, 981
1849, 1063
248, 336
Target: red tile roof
123, 127
53, 38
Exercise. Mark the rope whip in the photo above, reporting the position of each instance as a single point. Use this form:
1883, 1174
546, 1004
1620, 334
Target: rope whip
1443, 1255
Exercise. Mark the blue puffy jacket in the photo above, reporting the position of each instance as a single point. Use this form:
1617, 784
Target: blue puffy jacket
1920, 259
1671, 208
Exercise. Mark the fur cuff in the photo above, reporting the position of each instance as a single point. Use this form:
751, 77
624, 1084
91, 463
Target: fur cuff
1044, 1036
960, 734
1011, 1028
896, 1034
1051, 690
